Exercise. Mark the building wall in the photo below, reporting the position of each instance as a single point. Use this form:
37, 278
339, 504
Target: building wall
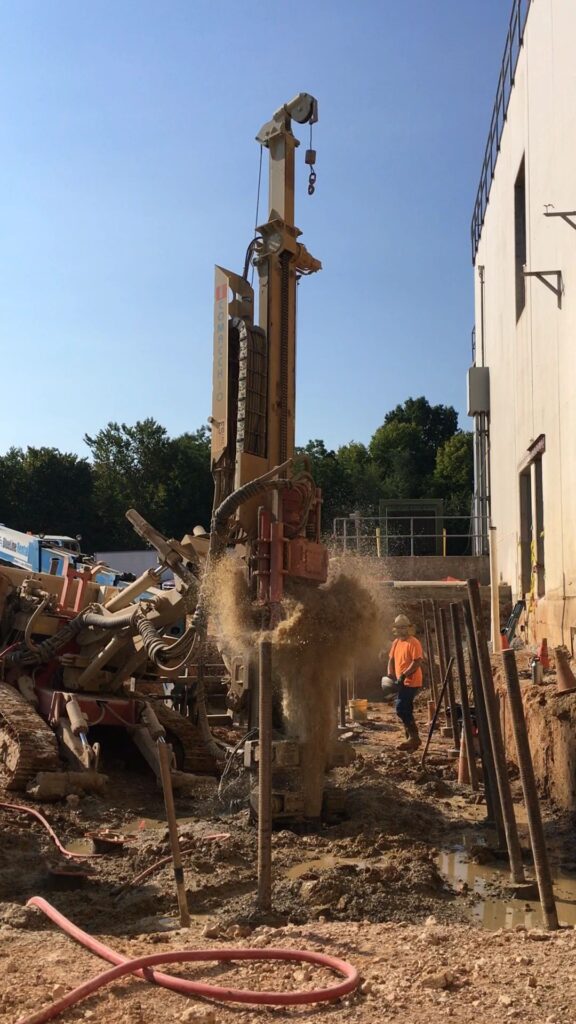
532, 362
130, 561
434, 567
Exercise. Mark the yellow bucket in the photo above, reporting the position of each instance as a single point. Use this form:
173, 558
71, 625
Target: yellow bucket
358, 710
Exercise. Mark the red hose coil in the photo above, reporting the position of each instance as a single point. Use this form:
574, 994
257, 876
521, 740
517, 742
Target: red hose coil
142, 966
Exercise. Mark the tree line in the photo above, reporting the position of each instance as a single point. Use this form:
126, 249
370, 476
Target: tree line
418, 451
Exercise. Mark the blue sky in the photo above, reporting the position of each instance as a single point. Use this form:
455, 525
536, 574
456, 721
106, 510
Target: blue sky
128, 167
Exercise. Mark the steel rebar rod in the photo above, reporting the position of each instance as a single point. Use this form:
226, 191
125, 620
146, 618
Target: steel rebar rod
489, 772
436, 712
165, 759
451, 695
526, 767
495, 730
441, 652
431, 662
342, 702
463, 684
265, 776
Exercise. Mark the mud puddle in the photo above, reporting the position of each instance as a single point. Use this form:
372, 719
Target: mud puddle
152, 824
493, 910
82, 846
322, 864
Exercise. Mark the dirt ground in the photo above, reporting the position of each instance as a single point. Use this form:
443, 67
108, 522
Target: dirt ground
364, 886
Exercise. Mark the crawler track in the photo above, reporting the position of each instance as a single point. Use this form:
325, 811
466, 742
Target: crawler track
195, 758
27, 744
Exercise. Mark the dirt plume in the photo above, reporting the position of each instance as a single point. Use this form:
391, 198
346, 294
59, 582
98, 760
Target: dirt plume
322, 633
232, 617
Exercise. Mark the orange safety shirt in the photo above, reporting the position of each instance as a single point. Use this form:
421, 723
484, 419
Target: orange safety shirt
404, 651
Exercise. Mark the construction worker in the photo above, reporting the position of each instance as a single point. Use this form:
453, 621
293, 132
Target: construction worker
405, 667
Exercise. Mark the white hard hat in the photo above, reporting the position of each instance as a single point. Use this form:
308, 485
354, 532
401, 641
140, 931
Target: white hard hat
402, 624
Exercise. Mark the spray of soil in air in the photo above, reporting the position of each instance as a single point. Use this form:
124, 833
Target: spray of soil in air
323, 632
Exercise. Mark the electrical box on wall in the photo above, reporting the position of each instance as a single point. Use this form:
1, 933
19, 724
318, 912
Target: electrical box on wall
478, 390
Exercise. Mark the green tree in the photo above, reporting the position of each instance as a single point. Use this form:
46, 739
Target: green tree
362, 475
12, 487
403, 460
190, 485
436, 422
404, 448
167, 480
130, 466
46, 491
454, 472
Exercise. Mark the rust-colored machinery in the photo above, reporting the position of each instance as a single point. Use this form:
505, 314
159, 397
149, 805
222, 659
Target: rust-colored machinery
76, 655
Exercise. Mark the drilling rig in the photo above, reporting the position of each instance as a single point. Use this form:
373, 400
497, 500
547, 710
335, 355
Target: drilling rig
266, 501
76, 655
275, 504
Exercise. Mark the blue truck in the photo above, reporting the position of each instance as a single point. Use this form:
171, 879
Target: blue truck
50, 554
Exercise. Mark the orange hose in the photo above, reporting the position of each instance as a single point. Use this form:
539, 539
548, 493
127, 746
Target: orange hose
40, 817
142, 966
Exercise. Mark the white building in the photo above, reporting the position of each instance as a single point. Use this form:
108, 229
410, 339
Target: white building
135, 562
524, 251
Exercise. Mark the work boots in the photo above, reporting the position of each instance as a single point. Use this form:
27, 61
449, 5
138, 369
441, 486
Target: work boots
413, 740
403, 744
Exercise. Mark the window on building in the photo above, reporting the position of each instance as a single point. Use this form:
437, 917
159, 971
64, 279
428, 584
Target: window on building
538, 567
525, 530
532, 521
520, 238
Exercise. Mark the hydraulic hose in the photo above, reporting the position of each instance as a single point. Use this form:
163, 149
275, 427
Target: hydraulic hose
157, 649
48, 648
30, 624
143, 968
93, 618
267, 482
45, 651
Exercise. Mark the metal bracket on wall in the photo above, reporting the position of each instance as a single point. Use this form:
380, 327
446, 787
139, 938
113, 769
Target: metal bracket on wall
542, 275
568, 215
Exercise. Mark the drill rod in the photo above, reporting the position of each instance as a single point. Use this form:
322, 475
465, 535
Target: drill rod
493, 808
454, 723
165, 758
535, 827
463, 684
437, 711
265, 776
495, 729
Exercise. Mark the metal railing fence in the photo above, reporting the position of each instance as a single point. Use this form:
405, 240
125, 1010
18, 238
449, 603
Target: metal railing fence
410, 535
514, 40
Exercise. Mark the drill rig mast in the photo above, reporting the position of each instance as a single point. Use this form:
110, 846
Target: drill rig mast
253, 429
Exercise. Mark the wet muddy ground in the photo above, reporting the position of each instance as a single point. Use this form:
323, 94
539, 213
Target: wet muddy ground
403, 883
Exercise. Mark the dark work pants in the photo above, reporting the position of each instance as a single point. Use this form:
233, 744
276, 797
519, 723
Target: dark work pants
404, 704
